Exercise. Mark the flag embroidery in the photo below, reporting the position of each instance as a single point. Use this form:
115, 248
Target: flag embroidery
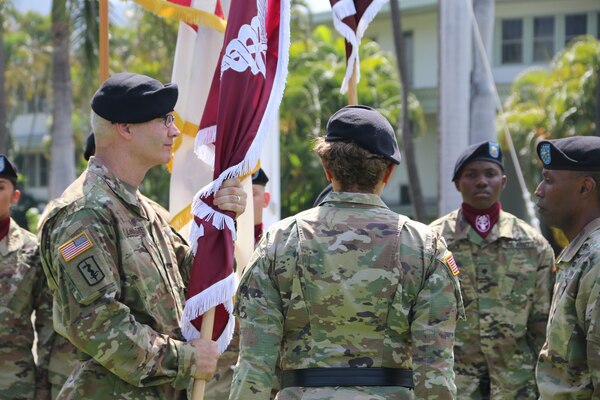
75, 246
452, 264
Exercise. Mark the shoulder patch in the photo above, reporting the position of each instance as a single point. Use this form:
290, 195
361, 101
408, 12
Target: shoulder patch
76, 246
451, 264
91, 271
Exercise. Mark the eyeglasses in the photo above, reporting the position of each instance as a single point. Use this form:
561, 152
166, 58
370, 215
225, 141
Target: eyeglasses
168, 120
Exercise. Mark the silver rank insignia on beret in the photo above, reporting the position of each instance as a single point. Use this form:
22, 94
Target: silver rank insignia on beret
545, 153
494, 149
2, 164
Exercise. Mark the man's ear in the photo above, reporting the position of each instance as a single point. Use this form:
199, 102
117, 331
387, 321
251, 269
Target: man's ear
388, 172
328, 174
587, 187
123, 130
266, 199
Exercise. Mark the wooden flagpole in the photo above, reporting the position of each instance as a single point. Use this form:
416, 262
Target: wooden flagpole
103, 46
352, 92
208, 319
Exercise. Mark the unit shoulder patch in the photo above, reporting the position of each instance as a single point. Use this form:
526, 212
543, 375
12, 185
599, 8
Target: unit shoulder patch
76, 246
90, 270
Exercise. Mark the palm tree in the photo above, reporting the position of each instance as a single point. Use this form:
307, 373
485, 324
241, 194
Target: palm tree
62, 155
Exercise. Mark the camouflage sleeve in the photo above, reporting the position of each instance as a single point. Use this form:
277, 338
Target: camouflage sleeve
592, 327
259, 308
94, 319
436, 309
42, 304
184, 255
542, 298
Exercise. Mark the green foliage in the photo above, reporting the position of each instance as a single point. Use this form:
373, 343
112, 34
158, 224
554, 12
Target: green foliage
552, 103
317, 66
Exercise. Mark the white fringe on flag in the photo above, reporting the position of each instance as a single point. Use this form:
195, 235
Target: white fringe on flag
206, 135
204, 301
341, 10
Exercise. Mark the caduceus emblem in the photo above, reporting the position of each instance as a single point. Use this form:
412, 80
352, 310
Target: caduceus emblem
483, 222
249, 48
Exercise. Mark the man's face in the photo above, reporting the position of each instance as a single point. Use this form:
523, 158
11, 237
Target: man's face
260, 200
480, 183
153, 141
8, 196
556, 192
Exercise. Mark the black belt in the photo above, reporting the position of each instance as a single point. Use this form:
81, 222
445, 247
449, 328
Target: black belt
317, 377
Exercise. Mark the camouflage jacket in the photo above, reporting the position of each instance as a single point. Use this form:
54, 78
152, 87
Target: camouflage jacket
348, 284
506, 283
569, 364
113, 265
24, 290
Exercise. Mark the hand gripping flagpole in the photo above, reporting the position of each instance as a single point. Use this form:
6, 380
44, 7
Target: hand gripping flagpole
208, 320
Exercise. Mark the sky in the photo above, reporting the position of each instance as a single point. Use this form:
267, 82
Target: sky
43, 6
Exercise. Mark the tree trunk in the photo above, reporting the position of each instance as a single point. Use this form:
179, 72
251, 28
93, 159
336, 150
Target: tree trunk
416, 192
62, 156
483, 108
454, 82
3, 121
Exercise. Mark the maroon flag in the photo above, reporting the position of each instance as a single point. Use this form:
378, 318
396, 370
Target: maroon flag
351, 19
243, 101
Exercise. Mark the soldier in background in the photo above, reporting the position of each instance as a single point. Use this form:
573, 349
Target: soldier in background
569, 199
260, 200
506, 283
356, 300
117, 271
24, 291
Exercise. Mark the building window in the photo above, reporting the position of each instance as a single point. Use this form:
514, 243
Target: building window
34, 168
543, 38
512, 41
575, 25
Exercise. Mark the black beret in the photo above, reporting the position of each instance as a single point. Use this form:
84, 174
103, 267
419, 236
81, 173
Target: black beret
90, 147
7, 169
365, 127
484, 151
134, 98
576, 153
260, 178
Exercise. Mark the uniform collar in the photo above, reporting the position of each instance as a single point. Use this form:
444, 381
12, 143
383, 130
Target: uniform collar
126, 192
464, 230
354, 198
13, 241
569, 252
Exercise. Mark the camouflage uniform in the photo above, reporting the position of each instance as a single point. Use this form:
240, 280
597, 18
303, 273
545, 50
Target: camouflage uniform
112, 263
348, 284
24, 290
569, 364
506, 284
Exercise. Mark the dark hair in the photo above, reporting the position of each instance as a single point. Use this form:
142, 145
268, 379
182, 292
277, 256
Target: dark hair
356, 169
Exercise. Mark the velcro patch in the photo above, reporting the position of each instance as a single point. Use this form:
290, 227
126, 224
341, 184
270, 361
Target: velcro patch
452, 264
76, 246
91, 271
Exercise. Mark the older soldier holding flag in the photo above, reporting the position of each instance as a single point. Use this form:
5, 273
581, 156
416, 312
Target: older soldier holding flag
356, 300
116, 269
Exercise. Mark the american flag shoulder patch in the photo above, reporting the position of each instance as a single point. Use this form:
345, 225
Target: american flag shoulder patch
451, 264
76, 246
